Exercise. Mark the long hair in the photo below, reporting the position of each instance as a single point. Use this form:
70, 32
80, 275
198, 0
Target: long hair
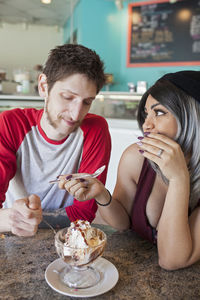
186, 110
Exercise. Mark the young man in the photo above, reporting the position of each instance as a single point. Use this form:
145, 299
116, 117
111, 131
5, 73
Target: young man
38, 145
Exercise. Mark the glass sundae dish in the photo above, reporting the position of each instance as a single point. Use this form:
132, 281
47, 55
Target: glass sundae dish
78, 246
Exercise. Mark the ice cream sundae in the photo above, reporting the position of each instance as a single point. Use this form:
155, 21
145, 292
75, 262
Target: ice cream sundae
80, 243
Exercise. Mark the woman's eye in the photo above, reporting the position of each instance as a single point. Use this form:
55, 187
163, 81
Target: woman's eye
159, 112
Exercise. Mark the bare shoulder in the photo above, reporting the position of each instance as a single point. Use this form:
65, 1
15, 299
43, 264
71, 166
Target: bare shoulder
131, 162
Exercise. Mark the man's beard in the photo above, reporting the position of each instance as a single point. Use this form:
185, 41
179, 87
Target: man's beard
51, 121
48, 116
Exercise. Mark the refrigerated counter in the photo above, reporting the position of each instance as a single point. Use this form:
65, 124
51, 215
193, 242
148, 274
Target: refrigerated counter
14, 101
116, 105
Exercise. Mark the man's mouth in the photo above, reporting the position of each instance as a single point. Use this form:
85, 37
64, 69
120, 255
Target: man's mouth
70, 123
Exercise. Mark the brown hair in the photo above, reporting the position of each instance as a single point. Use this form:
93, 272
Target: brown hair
69, 59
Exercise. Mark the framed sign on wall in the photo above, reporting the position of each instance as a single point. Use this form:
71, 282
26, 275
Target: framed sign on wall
163, 33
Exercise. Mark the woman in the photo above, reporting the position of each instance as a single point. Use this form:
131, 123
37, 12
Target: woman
158, 183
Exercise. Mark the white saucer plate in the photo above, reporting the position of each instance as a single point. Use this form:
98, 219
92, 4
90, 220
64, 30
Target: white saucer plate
108, 272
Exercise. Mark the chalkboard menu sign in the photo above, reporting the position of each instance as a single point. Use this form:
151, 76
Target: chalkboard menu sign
164, 33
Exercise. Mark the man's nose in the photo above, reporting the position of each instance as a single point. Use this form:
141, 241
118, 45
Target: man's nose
76, 110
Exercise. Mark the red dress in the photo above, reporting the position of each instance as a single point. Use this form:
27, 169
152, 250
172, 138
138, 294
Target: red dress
140, 223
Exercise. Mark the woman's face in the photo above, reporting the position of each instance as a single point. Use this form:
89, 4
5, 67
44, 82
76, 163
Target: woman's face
159, 119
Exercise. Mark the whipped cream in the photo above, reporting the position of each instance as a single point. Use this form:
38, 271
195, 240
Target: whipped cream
80, 241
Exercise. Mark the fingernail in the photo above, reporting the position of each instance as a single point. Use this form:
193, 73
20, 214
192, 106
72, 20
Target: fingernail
141, 151
68, 177
146, 133
139, 143
140, 137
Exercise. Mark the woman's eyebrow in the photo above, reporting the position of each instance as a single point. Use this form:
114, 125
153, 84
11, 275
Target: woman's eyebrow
152, 106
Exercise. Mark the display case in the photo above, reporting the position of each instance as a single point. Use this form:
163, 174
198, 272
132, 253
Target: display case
20, 101
114, 105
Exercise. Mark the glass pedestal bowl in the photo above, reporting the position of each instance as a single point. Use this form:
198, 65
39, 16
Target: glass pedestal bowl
78, 273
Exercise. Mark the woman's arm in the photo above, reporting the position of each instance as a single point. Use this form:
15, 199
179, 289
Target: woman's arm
178, 236
118, 212
174, 233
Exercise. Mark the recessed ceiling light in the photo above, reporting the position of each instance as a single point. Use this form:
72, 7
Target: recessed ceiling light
46, 1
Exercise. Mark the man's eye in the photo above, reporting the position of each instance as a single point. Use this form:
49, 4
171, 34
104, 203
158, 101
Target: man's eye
67, 98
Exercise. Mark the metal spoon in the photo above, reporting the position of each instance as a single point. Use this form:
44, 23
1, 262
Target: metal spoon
95, 174
51, 227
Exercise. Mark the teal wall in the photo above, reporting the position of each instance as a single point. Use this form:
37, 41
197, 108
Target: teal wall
102, 27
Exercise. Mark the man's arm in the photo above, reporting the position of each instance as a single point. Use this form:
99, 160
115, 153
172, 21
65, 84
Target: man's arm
8, 164
5, 220
25, 214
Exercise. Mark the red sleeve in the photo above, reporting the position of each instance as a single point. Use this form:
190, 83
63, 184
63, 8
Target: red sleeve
96, 153
7, 153
14, 125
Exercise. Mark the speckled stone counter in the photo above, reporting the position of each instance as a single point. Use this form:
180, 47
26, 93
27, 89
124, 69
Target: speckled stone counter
23, 262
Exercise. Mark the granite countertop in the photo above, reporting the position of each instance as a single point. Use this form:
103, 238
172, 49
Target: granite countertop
23, 262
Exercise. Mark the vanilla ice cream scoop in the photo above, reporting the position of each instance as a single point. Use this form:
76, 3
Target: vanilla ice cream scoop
81, 235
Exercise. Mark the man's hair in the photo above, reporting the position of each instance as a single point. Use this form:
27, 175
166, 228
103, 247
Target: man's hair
69, 59
186, 110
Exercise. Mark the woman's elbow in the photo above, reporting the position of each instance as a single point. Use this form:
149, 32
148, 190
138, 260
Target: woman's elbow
167, 265
171, 265
171, 260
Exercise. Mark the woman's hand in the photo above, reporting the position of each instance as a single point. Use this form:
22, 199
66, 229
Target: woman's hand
166, 153
83, 188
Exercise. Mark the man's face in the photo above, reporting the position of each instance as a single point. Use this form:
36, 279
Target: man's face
66, 105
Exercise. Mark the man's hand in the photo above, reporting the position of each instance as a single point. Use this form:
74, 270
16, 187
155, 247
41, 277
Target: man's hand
25, 216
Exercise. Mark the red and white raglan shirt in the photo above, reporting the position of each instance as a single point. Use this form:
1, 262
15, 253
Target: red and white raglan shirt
29, 160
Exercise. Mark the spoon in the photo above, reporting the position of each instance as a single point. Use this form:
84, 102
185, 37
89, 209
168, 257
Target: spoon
51, 227
95, 174
44, 221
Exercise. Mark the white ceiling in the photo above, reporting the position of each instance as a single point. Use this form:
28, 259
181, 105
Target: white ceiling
37, 13
34, 12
